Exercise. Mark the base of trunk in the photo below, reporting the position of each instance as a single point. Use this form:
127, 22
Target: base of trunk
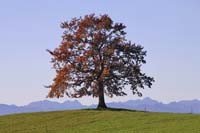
102, 106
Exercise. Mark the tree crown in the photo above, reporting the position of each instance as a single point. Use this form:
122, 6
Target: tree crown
94, 50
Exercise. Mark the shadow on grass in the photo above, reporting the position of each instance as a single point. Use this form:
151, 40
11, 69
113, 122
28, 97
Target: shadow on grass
113, 109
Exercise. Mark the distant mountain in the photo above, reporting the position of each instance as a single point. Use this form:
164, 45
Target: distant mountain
40, 106
49, 106
7, 109
146, 104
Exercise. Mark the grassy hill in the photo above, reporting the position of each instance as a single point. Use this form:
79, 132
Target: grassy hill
86, 121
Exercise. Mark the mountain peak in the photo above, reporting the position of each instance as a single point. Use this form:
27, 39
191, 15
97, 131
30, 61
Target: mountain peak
147, 99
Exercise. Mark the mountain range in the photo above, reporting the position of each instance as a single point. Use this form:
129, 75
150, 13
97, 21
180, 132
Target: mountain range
146, 104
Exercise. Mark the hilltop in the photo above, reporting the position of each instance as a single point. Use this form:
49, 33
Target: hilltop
89, 121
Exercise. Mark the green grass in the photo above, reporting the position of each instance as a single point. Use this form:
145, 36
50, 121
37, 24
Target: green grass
96, 121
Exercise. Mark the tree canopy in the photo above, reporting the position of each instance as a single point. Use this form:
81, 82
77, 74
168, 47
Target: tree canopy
95, 58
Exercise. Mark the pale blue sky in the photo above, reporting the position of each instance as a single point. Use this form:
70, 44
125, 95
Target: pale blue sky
168, 29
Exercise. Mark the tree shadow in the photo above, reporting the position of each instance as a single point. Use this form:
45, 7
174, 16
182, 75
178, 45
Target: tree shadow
113, 109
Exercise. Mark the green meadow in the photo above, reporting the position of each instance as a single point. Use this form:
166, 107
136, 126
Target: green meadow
100, 121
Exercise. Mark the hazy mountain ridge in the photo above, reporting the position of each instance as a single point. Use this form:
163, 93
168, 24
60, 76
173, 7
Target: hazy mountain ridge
39, 106
146, 104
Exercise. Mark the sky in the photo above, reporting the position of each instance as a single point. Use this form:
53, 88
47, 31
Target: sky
169, 30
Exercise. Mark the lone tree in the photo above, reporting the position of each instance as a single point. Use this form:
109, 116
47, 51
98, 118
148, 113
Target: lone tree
94, 58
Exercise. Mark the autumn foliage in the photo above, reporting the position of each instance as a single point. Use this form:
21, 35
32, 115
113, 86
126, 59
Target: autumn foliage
94, 58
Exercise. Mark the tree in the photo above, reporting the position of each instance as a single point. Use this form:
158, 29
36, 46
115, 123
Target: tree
94, 58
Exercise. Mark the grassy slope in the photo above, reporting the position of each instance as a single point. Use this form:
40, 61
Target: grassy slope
86, 121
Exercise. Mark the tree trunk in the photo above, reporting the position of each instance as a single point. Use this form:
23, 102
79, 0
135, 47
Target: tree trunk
101, 104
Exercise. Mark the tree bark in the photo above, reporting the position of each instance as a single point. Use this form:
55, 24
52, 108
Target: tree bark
101, 104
